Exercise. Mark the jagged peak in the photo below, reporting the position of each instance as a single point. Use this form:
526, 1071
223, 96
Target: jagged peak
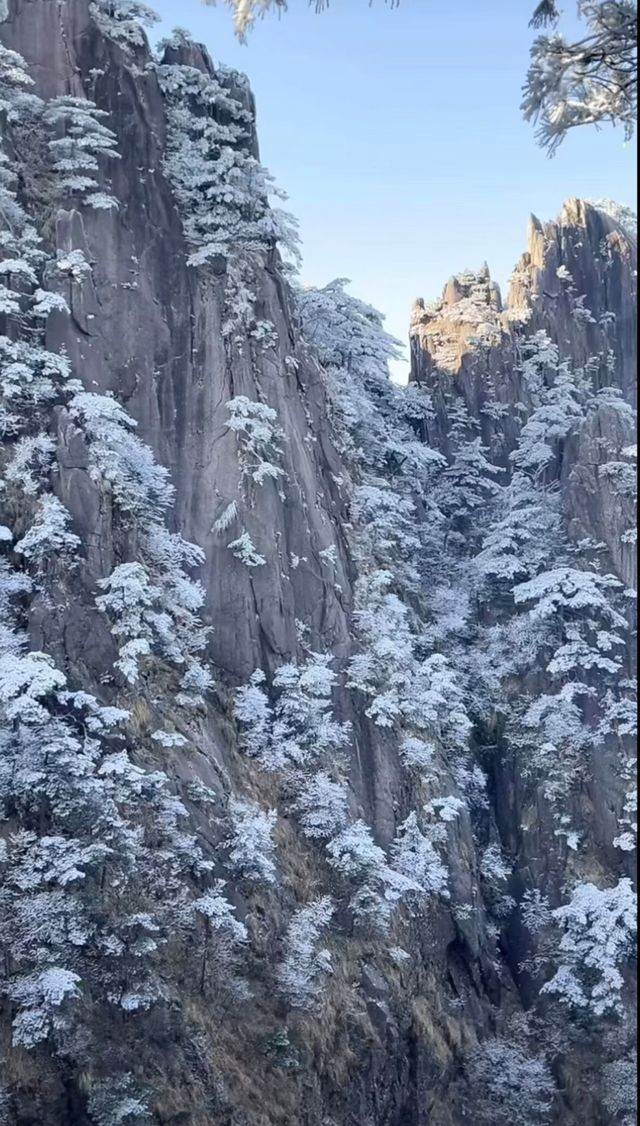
468, 313
582, 213
576, 235
579, 212
574, 213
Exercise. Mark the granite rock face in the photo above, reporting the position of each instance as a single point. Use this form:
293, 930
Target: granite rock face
391, 1043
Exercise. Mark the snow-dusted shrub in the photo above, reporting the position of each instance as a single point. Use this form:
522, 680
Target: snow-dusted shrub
169, 739
446, 808
73, 264
44, 1000
118, 1101
580, 313
620, 1089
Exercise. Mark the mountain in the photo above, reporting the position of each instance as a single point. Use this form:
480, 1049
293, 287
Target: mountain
316, 693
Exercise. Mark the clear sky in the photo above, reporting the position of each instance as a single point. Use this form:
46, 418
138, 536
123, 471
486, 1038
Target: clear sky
396, 133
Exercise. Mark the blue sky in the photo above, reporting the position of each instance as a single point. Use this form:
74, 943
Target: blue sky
397, 135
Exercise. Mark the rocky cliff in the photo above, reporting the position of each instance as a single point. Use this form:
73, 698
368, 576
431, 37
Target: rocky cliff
316, 692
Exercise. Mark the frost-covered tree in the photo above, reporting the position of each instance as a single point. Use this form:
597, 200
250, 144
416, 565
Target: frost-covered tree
620, 213
620, 1089
375, 416
377, 887
245, 11
250, 844
465, 489
552, 613
403, 687
221, 940
153, 603
98, 872
298, 729
91, 827
305, 961
559, 410
76, 151
118, 1099
258, 436
590, 81
321, 805
292, 730
124, 20
49, 534
525, 536
508, 1083
568, 591
136, 607
599, 938
244, 549
220, 185
414, 855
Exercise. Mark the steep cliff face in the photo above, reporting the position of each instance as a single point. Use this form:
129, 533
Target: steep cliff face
310, 865
145, 326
